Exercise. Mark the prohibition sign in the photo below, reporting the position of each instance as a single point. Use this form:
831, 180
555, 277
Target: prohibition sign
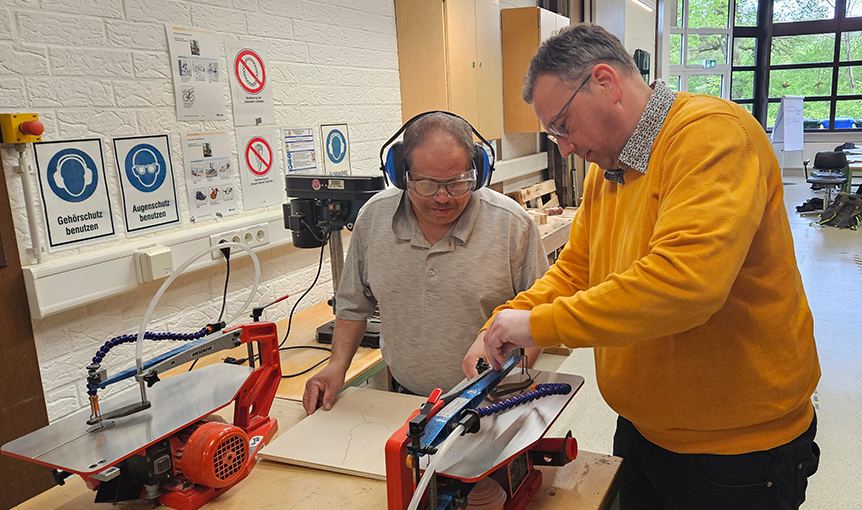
258, 156
250, 73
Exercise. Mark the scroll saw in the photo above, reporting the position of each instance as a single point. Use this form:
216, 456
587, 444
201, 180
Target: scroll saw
168, 448
505, 442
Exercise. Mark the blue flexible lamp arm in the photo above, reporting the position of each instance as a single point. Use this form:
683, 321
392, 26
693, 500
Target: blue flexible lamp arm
183, 354
441, 424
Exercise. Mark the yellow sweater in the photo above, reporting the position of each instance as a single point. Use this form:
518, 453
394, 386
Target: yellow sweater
685, 282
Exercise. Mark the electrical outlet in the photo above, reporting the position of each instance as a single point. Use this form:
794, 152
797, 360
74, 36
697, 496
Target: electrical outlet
228, 237
254, 236
257, 235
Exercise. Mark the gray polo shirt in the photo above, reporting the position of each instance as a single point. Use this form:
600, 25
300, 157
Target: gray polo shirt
434, 299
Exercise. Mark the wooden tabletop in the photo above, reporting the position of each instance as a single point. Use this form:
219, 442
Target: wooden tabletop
586, 483
302, 332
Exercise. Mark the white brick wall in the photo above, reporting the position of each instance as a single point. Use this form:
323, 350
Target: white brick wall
101, 69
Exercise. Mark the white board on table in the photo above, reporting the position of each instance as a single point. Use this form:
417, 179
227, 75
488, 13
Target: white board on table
349, 438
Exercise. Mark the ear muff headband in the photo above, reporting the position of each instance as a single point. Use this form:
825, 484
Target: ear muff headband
58, 175
394, 167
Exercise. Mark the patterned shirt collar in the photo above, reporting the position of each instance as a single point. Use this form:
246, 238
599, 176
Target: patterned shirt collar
635, 154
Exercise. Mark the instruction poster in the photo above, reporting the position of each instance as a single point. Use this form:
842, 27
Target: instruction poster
250, 86
74, 191
300, 151
147, 183
336, 149
260, 170
210, 176
195, 63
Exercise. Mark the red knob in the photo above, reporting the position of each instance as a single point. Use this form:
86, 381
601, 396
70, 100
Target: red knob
32, 127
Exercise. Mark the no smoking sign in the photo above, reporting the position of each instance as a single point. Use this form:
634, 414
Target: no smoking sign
250, 71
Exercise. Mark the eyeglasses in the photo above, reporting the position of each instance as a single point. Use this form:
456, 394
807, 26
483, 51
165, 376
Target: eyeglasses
461, 185
142, 169
557, 131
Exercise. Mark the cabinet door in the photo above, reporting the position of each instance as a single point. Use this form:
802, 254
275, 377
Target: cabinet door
521, 37
421, 57
461, 64
489, 53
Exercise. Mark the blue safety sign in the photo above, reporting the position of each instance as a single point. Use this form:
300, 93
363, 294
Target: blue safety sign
145, 168
74, 192
336, 146
72, 175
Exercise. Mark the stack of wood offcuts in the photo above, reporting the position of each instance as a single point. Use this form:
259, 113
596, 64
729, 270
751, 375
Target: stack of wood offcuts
540, 201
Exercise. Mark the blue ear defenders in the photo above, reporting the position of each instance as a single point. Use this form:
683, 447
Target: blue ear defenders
395, 167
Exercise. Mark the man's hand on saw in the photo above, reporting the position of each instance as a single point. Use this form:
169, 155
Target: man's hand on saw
320, 390
509, 330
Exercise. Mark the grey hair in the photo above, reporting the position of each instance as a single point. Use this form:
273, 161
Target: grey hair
573, 52
418, 131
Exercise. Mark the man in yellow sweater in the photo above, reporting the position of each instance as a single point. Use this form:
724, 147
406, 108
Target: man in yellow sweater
680, 272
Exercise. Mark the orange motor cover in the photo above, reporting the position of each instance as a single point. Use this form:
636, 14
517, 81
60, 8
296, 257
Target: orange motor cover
214, 455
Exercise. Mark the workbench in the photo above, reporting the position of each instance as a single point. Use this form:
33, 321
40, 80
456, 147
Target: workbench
586, 483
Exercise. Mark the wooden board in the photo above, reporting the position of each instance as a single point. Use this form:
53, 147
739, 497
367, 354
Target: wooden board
350, 438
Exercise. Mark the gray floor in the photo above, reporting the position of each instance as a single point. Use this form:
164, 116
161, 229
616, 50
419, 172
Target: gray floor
830, 261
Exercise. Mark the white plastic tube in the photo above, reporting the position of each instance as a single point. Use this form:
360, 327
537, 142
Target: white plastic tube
139, 348
433, 465
29, 203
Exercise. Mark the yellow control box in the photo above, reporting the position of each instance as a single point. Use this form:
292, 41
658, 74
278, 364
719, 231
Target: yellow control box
20, 128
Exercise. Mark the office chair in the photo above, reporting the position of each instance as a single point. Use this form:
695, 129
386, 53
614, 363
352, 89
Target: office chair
828, 172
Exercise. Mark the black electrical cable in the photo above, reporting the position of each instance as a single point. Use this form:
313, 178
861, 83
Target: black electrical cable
324, 360
313, 283
224, 296
326, 235
226, 252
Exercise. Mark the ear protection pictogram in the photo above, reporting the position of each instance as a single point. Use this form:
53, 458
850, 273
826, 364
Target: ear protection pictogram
395, 167
89, 174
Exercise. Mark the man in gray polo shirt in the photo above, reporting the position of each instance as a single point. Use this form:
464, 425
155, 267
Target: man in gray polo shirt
437, 258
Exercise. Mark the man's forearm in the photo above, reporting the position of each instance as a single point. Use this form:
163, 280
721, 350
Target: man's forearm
345, 341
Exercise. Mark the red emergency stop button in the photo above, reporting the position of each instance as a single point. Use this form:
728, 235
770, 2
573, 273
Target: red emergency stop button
32, 128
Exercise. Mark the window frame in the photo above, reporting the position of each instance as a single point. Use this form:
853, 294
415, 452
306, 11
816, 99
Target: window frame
684, 70
763, 33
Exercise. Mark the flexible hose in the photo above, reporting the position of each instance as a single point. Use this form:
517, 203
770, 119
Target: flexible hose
433, 465
139, 347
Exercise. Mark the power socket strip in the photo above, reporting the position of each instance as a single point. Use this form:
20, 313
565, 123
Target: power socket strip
254, 236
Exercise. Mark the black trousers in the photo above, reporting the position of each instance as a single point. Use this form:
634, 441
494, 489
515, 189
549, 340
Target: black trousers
655, 478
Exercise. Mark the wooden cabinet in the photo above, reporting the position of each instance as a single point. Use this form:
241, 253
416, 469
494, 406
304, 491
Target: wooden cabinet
449, 56
523, 31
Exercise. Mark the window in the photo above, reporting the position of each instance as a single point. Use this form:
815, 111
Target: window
699, 47
815, 51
